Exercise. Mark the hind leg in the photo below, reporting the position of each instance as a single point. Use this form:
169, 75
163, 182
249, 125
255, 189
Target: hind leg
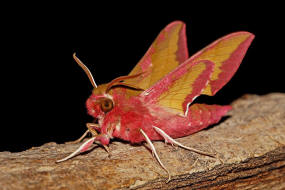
170, 140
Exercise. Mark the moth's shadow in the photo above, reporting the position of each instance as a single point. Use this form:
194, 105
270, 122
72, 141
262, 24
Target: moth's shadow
134, 145
127, 142
221, 121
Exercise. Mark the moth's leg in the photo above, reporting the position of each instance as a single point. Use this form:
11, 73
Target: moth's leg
80, 139
155, 153
172, 141
91, 128
82, 148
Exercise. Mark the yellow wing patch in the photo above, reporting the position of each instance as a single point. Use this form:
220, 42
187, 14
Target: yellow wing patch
164, 56
161, 58
181, 86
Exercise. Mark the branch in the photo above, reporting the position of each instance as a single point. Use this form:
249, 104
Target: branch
250, 144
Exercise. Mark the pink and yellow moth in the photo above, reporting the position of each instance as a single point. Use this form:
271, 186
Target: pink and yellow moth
154, 101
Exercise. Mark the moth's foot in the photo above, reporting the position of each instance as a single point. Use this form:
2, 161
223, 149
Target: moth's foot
107, 150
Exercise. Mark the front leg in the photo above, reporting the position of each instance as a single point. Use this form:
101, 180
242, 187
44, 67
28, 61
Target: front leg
91, 128
100, 139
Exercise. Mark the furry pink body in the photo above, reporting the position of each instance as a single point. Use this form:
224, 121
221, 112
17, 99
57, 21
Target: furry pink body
131, 115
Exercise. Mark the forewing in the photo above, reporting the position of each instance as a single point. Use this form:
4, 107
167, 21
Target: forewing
181, 86
226, 53
167, 52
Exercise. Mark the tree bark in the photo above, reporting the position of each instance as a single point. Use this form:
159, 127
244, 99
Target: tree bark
250, 144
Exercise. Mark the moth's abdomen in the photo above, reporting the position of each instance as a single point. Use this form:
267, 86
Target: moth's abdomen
199, 117
202, 114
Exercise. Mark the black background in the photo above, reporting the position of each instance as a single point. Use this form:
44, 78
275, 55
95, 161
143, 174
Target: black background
44, 91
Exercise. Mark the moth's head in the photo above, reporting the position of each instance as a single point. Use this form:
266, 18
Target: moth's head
100, 102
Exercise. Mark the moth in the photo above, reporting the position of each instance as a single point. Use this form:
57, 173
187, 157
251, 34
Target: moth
155, 100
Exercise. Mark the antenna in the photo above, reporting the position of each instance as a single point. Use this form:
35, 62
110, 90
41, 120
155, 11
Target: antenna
86, 70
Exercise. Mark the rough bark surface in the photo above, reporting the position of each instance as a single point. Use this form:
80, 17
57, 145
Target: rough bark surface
250, 144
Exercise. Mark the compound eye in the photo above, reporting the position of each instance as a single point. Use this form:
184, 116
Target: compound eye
106, 105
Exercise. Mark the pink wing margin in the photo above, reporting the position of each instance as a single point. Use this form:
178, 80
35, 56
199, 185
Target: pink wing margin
226, 58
